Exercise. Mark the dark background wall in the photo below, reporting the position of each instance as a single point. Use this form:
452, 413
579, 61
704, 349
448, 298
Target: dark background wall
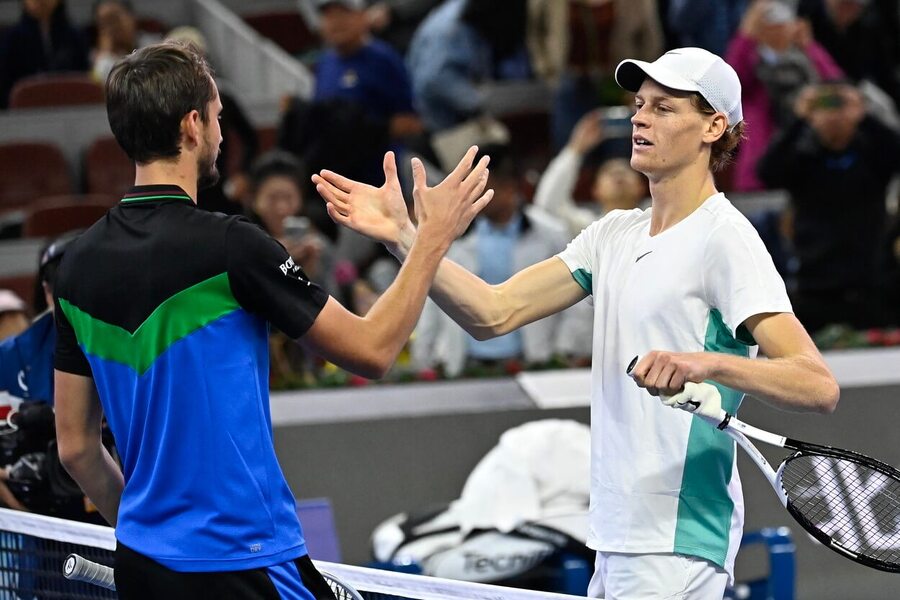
373, 467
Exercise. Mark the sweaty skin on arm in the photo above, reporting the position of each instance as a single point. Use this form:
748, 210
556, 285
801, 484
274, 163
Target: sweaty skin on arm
81, 451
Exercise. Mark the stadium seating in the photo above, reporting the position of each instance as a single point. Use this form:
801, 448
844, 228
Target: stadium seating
107, 169
285, 28
53, 216
42, 91
31, 170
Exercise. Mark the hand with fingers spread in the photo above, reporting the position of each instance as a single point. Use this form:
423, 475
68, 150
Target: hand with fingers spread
450, 206
381, 213
376, 212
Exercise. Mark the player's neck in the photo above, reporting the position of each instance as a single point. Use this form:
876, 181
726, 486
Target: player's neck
677, 196
168, 172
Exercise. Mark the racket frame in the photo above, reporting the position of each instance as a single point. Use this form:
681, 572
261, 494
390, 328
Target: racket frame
740, 431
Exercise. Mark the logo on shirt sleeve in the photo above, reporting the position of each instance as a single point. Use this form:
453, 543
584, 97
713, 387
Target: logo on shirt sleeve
290, 269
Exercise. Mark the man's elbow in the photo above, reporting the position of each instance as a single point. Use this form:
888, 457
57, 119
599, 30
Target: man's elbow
831, 394
494, 327
375, 366
74, 453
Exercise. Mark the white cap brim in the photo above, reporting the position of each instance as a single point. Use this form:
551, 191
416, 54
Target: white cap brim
630, 74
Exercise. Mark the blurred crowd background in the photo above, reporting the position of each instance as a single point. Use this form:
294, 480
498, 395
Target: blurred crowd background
531, 82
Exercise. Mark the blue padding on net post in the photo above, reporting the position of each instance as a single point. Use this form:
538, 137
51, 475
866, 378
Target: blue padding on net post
780, 583
575, 575
317, 520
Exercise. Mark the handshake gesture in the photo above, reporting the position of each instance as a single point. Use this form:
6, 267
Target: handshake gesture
443, 212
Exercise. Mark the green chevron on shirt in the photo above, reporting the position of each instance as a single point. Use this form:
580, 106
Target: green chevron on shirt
174, 319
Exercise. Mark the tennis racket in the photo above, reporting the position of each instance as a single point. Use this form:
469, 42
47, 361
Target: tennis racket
341, 589
78, 568
847, 501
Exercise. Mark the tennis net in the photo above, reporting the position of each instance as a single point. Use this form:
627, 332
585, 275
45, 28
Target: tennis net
33, 548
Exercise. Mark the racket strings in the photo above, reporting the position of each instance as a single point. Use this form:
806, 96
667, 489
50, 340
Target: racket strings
341, 590
857, 505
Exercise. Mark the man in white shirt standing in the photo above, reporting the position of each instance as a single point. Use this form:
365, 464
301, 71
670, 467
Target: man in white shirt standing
686, 284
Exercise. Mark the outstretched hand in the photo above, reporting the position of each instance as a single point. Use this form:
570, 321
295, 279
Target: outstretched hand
381, 213
377, 212
456, 200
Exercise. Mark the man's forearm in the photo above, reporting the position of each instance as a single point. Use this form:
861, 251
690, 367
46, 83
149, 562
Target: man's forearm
464, 297
798, 383
394, 315
101, 479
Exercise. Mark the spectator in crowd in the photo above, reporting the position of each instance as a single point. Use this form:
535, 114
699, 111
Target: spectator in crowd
502, 240
359, 69
31, 478
775, 57
43, 41
117, 35
277, 205
460, 45
395, 21
362, 107
26, 360
836, 162
576, 44
13, 315
705, 24
615, 186
229, 192
862, 36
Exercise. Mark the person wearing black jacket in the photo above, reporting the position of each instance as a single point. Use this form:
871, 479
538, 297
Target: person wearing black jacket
836, 162
44, 40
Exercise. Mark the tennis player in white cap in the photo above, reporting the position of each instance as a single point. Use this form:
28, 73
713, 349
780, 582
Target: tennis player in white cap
689, 286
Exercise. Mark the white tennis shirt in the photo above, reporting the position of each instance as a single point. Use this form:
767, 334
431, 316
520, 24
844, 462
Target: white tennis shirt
662, 481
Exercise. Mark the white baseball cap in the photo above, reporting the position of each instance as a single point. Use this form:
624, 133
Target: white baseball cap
689, 70
10, 302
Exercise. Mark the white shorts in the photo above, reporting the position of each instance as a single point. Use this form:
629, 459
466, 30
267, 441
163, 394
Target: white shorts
656, 577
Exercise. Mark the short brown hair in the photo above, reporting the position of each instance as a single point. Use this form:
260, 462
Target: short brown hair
723, 148
150, 91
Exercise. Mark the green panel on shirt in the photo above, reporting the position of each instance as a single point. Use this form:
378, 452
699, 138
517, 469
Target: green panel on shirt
704, 507
584, 279
174, 319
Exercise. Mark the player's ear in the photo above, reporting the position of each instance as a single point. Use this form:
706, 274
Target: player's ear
715, 127
191, 128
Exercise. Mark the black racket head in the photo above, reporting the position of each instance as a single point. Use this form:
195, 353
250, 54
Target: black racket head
847, 501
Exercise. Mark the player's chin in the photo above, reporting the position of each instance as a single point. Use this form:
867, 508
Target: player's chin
640, 162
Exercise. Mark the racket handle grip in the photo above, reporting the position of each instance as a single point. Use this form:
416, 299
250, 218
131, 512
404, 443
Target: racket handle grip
77, 568
719, 422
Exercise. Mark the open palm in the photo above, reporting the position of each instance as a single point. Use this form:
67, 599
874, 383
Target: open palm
377, 212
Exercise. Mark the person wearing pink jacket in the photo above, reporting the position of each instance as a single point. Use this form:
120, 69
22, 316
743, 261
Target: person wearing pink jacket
774, 56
